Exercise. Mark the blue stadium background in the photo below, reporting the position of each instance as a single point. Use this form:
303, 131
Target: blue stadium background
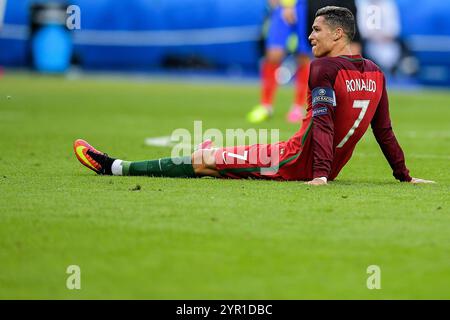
221, 34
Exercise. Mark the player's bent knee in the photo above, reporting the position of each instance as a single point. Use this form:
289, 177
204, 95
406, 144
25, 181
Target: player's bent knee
209, 158
204, 162
275, 55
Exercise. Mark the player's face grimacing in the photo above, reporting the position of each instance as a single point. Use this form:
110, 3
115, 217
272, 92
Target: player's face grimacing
321, 38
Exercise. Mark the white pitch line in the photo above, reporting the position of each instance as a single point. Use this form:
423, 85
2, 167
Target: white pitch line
415, 156
429, 134
164, 142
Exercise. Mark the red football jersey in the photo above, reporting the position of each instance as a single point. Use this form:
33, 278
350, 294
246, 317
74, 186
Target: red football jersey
346, 94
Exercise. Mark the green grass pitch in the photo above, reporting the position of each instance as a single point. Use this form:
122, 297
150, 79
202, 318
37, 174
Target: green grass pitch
210, 238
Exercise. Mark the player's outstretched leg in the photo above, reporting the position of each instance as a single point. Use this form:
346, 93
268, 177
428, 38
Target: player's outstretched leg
201, 163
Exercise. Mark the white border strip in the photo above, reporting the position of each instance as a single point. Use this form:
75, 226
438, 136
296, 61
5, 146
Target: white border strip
189, 37
14, 31
168, 38
429, 43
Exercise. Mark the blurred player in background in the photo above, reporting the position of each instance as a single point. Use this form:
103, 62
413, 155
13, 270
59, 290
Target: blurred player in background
380, 27
347, 93
288, 17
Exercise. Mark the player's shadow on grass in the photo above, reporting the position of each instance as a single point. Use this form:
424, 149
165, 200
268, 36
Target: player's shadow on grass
355, 183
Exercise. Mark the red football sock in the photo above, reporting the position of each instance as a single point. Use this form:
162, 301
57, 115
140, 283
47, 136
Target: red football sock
301, 84
269, 82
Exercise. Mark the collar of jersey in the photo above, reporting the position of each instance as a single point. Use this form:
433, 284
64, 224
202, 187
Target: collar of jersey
355, 57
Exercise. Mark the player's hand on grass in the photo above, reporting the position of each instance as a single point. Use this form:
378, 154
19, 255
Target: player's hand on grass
420, 181
289, 15
317, 182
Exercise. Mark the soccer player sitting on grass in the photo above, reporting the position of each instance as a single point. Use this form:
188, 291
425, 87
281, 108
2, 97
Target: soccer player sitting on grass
346, 93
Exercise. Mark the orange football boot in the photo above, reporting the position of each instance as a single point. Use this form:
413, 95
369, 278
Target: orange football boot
92, 158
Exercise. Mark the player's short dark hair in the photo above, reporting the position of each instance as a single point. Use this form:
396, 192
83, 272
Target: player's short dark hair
339, 17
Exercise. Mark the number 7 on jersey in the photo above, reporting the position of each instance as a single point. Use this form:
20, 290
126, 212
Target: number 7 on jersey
363, 104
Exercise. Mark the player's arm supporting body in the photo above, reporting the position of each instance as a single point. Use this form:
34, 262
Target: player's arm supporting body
322, 121
382, 130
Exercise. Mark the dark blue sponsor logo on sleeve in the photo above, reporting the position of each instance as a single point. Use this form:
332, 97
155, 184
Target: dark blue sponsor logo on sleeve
320, 111
322, 95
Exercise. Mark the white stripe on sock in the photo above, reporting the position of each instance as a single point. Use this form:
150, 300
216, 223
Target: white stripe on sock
116, 168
